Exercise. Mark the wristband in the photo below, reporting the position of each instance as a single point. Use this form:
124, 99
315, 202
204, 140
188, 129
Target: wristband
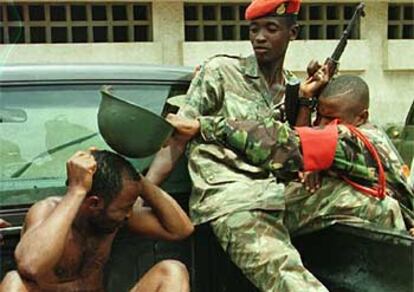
311, 103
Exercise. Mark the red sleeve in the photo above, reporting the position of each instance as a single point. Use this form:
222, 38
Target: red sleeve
318, 146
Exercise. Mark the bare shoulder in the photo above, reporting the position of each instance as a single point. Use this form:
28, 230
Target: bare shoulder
40, 211
48, 203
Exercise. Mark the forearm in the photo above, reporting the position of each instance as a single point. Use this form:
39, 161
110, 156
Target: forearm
41, 247
304, 117
305, 112
279, 149
269, 144
170, 215
165, 161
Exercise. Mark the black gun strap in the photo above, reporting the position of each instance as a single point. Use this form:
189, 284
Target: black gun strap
292, 102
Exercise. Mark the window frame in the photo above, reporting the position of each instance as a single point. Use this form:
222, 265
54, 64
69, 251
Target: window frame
26, 24
35, 188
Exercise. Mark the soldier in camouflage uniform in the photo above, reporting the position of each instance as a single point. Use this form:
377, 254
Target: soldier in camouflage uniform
347, 98
274, 146
243, 202
229, 193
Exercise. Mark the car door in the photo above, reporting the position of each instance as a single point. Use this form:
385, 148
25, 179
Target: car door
406, 143
42, 124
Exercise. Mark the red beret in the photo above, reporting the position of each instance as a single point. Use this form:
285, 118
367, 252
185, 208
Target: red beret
261, 8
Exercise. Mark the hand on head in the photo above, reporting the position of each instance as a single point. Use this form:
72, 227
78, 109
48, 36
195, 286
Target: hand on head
313, 66
80, 169
318, 77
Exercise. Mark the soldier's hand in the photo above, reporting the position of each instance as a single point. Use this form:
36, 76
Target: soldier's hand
411, 231
80, 169
315, 82
313, 66
312, 181
185, 128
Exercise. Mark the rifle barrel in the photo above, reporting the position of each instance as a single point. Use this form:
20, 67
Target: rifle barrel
359, 11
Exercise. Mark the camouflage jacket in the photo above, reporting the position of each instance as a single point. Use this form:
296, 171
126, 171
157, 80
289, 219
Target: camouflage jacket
275, 146
231, 87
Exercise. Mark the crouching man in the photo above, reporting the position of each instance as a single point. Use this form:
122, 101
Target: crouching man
67, 240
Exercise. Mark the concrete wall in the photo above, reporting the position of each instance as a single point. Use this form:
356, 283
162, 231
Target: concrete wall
387, 65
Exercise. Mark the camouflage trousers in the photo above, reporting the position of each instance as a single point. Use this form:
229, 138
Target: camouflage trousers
336, 201
258, 241
259, 244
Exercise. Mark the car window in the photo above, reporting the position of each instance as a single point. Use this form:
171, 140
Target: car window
410, 116
42, 126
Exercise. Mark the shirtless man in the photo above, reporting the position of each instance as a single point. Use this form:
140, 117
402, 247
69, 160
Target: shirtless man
67, 240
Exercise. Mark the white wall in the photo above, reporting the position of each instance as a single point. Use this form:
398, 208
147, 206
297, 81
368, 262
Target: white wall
82, 53
387, 65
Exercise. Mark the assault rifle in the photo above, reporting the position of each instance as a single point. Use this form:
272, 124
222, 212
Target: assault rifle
332, 62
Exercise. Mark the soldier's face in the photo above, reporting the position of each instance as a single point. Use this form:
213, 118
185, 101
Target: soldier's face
340, 108
270, 38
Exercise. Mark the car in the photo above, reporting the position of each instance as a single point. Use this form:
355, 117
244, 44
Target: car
47, 112
403, 137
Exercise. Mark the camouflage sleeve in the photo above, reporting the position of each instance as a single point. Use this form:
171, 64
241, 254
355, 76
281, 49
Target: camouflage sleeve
352, 159
276, 147
205, 93
270, 144
396, 170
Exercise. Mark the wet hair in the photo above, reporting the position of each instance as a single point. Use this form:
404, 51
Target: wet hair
351, 87
111, 169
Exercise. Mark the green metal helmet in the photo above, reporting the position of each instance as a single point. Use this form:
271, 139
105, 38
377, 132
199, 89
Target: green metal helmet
130, 129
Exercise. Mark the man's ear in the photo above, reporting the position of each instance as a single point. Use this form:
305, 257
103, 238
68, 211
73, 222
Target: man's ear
294, 32
94, 203
362, 117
